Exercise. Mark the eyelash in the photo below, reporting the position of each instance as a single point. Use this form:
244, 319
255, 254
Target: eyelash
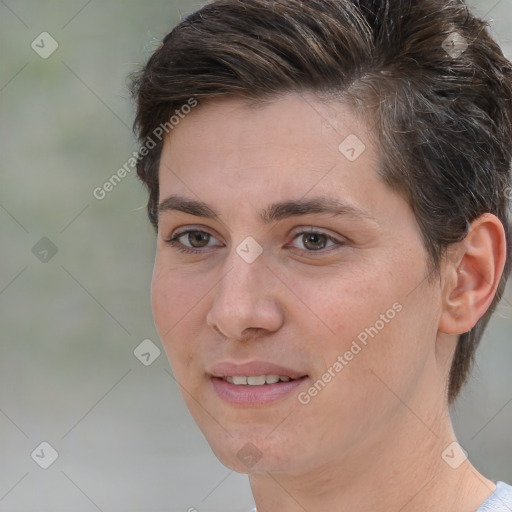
175, 244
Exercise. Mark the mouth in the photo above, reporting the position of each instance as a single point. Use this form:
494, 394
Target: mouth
255, 384
256, 380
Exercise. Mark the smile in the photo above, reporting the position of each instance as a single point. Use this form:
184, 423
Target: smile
257, 390
256, 380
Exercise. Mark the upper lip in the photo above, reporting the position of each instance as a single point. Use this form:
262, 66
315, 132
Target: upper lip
252, 369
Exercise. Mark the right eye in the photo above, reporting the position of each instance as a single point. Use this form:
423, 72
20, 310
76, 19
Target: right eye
196, 238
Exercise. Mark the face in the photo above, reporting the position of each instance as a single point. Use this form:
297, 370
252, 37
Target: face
300, 263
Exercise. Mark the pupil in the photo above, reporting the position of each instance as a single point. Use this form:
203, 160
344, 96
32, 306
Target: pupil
313, 238
198, 237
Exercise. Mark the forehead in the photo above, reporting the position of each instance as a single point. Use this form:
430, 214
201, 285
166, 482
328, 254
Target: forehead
293, 141
293, 118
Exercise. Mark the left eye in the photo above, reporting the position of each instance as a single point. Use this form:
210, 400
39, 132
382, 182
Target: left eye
315, 241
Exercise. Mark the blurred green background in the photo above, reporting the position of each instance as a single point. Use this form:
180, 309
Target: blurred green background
70, 321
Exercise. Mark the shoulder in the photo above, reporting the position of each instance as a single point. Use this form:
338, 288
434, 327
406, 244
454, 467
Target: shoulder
500, 500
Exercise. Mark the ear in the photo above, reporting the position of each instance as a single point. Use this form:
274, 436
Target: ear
472, 275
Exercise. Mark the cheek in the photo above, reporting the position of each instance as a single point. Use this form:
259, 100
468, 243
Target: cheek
175, 293
347, 303
386, 346
163, 302
175, 304
377, 326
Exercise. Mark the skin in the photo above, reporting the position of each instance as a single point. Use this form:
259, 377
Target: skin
372, 438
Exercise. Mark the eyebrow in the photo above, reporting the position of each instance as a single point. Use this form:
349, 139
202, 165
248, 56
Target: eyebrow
273, 213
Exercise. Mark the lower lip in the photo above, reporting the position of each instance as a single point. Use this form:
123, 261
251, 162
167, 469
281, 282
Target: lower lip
255, 395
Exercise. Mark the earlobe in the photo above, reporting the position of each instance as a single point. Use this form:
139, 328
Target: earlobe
473, 275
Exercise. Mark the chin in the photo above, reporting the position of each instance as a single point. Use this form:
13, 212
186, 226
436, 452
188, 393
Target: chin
254, 454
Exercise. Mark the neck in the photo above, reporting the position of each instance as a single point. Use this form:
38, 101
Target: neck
398, 470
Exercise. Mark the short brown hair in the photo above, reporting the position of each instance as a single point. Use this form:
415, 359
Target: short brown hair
443, 120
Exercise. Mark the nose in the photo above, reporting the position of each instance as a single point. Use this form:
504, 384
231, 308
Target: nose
246, 300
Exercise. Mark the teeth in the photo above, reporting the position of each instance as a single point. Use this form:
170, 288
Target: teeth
257, 380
